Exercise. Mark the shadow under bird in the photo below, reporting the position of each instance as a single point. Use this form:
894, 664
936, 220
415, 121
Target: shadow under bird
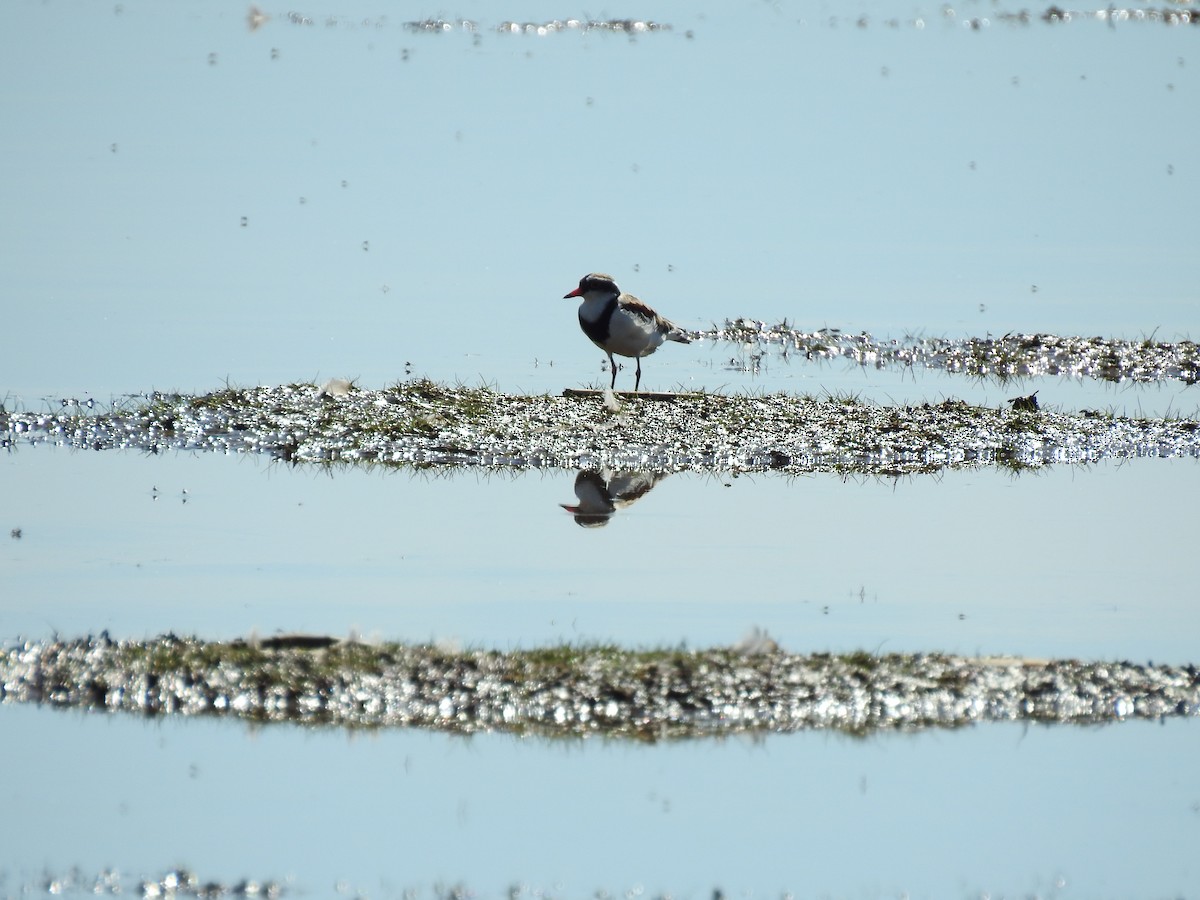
621, 323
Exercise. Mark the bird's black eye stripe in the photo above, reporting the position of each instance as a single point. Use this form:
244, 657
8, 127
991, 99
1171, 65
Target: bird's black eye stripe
597, 281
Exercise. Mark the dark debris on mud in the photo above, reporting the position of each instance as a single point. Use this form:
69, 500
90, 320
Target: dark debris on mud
420, 423
567, 691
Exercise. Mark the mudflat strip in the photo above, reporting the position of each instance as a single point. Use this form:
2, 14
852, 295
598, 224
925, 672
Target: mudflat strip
1014, 355
582, 690
420, 423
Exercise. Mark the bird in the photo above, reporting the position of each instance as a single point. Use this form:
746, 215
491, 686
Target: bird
621, 323
602, 493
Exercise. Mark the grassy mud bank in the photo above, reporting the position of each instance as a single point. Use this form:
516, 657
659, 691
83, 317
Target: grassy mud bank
421, 423
1034, 355
581, 690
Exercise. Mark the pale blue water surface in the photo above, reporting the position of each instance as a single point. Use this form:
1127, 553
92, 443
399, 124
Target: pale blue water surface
185, 201
428, 198
1004, 810
1078, 562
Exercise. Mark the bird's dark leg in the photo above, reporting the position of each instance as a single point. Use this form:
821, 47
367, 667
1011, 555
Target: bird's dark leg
612, 364
638, 382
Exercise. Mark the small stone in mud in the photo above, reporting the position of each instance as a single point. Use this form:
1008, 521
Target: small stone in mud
1025, 404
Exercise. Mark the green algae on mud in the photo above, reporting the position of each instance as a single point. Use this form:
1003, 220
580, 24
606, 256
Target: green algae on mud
421, 423
575, 691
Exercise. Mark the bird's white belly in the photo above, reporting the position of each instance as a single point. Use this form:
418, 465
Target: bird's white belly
633, 336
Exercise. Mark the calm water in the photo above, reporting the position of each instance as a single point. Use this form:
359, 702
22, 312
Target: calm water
999, 811
335, 195
428, 199
1068, 562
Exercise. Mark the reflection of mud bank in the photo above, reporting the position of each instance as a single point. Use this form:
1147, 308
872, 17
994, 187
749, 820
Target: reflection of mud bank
583, 690
420, 423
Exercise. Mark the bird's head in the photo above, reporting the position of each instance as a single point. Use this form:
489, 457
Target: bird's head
595, 285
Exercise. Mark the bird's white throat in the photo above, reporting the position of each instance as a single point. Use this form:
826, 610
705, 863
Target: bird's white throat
593, 307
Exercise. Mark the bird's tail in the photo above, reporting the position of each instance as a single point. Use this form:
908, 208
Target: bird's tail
677, 334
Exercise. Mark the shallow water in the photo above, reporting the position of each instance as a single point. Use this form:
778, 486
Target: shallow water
336, 194
1069, 561
1015, 810
765, 160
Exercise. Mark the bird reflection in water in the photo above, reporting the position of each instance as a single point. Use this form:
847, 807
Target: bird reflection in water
602, 493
